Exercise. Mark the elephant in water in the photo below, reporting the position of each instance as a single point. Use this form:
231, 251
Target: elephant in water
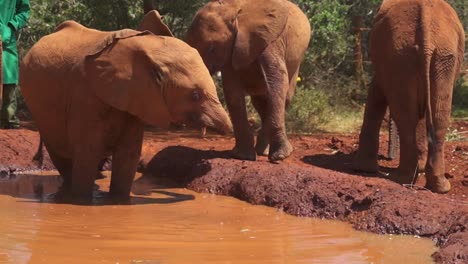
258, 46
416, 47
91, 92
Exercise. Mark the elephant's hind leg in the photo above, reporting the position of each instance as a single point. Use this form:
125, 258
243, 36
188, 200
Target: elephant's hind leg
442, 82
125, 159
366, 156
406, 115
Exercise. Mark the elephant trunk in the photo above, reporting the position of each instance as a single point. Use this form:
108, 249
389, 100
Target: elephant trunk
215, 116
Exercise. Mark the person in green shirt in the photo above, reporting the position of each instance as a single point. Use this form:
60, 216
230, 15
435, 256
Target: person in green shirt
14, 14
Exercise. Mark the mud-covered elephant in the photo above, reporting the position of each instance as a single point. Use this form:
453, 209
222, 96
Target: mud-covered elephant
416, 47
153, 22
258, 47
91, 92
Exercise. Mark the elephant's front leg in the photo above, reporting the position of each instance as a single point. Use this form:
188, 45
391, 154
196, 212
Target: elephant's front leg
235, 100
125, 158
276, 78
85, 164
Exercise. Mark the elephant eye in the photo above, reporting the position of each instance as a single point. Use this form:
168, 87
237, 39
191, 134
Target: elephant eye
196, 96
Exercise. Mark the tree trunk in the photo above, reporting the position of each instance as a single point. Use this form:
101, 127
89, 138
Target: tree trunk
148, 5
358, 61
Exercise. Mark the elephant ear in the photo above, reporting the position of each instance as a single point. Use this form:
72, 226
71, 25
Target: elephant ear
112, 37
153, 22
258, 25
122, 75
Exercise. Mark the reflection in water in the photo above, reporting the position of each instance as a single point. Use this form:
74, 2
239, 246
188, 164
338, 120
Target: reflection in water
167, 227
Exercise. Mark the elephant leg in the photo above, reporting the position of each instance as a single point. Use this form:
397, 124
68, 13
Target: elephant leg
262, 144
276, 77
85, 164
366, 156
406, 115
261, 105
64, 167
125, 159
88, 151
235, 100
441, 99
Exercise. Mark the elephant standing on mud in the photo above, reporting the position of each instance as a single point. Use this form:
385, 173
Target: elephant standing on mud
416, 47
258, 46
90, 93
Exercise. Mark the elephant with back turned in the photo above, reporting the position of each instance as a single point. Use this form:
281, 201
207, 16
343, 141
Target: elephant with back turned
258, 47
417, 48
90, 93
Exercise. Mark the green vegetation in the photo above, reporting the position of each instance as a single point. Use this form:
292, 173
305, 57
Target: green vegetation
329, 96
460, 97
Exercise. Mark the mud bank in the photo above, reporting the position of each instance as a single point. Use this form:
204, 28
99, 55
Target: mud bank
317, 181
17, 148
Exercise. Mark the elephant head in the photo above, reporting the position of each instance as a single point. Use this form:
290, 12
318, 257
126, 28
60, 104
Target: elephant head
158, 79
236, 32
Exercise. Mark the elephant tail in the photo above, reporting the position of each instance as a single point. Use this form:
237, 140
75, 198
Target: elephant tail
427, 53
39, 156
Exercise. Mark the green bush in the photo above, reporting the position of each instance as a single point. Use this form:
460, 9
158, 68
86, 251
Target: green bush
309, 108
460, 98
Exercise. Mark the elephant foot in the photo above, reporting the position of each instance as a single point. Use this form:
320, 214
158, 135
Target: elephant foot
437, 184
243, 154
263, 146
280, 151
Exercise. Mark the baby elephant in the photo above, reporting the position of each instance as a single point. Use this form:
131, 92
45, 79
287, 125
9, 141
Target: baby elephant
258, 46
91, 92
417, 48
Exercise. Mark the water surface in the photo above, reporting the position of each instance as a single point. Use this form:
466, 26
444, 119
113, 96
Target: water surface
179, 226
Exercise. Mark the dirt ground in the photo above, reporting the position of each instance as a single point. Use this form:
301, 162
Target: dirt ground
316, 181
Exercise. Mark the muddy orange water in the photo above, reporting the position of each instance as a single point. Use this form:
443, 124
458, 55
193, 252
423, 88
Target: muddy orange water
179, 226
